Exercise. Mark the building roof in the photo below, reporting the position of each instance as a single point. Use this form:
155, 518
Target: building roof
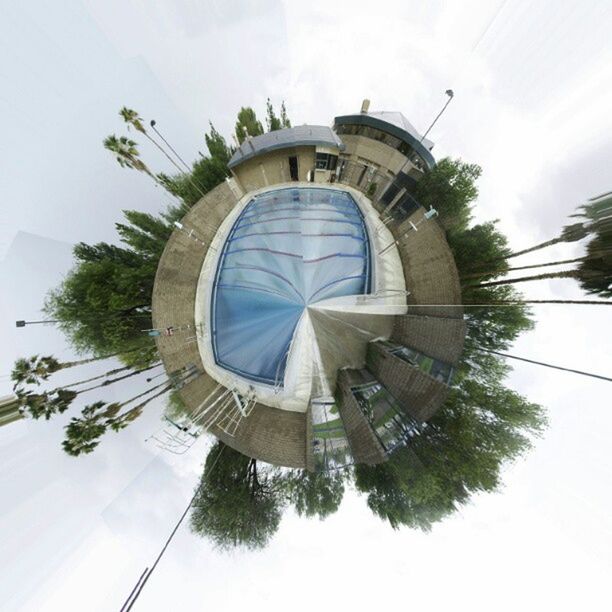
397, 125
399, 120
302, 135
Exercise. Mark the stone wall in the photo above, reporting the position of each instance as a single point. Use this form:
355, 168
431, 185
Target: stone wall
429, 267
438, 337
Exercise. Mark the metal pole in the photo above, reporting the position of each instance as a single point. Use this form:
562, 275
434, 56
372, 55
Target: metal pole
450, 94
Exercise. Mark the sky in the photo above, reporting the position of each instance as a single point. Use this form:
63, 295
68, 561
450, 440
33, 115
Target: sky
533, 89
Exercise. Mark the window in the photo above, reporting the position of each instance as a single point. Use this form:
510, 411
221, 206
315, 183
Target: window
437, 369
325, 161
390, 423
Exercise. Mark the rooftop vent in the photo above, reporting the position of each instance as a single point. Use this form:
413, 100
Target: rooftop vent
365, 106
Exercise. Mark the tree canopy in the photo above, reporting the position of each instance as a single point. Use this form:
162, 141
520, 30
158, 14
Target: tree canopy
450, 188
236, 504
247, 124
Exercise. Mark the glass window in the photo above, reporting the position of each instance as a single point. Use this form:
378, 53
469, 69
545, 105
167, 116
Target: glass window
434, 367
390, 423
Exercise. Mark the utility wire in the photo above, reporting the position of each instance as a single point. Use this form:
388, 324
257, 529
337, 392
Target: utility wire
135, 593
547, 365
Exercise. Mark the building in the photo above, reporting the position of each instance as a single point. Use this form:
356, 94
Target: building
9, 410
320, 301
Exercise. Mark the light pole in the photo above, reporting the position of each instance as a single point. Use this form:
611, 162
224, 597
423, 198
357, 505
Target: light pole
24, 323
450, 94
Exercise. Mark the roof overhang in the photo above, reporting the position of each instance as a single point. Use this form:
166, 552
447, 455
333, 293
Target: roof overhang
389, 128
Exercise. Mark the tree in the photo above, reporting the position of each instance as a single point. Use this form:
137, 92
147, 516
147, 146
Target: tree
83, 433
272, 121
284, 118
482, 242
236, 504
315, 494
104, 302
482, 426
595, 270
570, 233
126, 153
217, 147
33, 370
45, 404
450, 188
490, 326
247, 124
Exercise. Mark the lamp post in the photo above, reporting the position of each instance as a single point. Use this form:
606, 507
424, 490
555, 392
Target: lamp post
24, 323
450, 94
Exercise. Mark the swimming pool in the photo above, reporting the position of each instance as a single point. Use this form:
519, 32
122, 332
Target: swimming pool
288, 249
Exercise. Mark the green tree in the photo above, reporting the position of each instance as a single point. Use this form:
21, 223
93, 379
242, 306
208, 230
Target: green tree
217, 147
104, 302
285, 122
481, 242
247, 124
315, 493
126, 153
236, 504
450, 188
481, 427
272, 121
33, 370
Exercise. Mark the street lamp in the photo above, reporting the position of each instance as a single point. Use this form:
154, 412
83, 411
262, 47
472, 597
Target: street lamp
24, 323
450, 94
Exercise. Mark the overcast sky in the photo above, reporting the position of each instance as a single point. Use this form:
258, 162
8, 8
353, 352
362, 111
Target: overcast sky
533, 85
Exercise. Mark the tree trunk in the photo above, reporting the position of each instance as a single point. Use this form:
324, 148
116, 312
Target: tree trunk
194, 184
513, 302
490, 272
561, 274
129, 401
537, 247
143, 404
105, 375
114, 380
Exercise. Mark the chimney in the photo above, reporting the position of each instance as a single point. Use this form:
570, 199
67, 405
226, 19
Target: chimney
365, 106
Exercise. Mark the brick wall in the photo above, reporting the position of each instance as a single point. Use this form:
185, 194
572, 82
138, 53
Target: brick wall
429, 267
364, 444
419, 394
437, 337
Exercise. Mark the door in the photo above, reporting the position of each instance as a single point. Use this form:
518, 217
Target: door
293, 168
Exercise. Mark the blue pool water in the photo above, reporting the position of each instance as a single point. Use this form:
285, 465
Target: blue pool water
288, 248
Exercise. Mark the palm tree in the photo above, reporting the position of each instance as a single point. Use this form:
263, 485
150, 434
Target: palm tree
82, 434
582, 275
570, 233
33, 370
38, 405
596, 269
494, 273
58, 400
124, 419
132, 118
127, 154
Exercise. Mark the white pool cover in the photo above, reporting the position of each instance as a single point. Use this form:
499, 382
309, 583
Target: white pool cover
287, 250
